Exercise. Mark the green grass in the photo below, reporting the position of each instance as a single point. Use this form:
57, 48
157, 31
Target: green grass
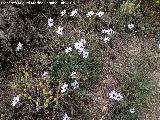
88, 69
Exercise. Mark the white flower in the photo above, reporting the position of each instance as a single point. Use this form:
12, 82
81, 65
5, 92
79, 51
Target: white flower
74, 12
68, 49
45, 73
130, 26
115, 96
19, 46
75, 84
108, 31
79, 46
83, 41
159, 46
100, 14
106, 39
62, 2
59, 31
50, 22
104, 31
37, 103
132, 110
119, 97
15, 101
73, 74
73, 2
85, 54
64, 88
37, 106
65, 117
63, 12
89, 14
52, 3
112, 94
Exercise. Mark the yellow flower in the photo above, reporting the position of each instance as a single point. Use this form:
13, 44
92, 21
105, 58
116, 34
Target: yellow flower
55, 99
24, 90
19, 95
40, 83
46, 104
37, 88
50, 97
38, 99
50, 92
26, 74
25, 95
22, 78
47, 81
28, 84
47, 100
30, 97
44, 91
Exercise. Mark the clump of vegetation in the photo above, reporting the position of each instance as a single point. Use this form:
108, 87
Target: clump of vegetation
55, 88
78, 73
34, 88
87, 70
138, 91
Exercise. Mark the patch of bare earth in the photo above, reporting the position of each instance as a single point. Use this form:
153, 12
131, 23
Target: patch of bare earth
99, 106
123, 55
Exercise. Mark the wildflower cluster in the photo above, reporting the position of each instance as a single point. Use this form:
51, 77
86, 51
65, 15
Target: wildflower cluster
76, 66
115, 96
80, 47
33, 87
42, 89
73, 13
74, 70
91, 13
